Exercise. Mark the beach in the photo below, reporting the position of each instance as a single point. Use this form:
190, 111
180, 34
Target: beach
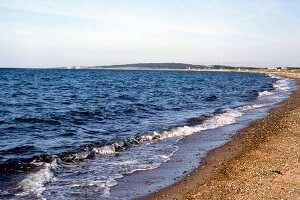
195, 144
259, 162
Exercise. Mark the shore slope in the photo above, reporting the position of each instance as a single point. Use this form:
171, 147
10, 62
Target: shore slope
261, 161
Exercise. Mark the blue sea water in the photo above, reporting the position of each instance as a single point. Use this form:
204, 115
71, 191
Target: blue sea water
63, 131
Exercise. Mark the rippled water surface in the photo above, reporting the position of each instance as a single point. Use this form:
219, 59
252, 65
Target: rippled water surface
64, 130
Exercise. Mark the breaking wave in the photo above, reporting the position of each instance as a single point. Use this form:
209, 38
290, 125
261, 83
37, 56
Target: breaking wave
264, 93
33, 184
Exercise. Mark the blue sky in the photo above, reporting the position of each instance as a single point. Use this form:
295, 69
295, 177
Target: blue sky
40, 33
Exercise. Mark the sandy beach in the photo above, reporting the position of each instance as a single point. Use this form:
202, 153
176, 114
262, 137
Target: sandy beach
259, 162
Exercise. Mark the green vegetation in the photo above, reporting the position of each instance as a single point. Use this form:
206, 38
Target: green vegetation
297, 70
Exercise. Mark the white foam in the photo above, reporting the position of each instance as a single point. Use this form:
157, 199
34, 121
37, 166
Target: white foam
125, 162
264, 93
219, 120
251, 107
109, 149
149, 137
107, 185
273, 76
282, 84
34, 183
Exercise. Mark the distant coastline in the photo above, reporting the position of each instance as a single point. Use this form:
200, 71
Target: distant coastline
184, 67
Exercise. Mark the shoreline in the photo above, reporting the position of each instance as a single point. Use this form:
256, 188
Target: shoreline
251, 164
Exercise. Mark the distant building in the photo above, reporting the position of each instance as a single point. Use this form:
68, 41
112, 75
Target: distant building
281, 68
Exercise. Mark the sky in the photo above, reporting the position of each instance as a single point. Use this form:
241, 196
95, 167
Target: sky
56, 33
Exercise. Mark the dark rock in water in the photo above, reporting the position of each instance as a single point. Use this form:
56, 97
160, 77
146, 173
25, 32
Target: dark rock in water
211, 98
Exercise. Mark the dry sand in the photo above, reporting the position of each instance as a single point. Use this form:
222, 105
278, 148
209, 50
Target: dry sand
262, 161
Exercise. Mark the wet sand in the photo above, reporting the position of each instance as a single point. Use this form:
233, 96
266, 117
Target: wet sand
261, 161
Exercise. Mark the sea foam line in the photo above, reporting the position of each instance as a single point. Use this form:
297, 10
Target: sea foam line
34, 183
282, 83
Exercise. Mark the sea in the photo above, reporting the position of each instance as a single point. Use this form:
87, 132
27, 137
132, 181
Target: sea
119, 134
